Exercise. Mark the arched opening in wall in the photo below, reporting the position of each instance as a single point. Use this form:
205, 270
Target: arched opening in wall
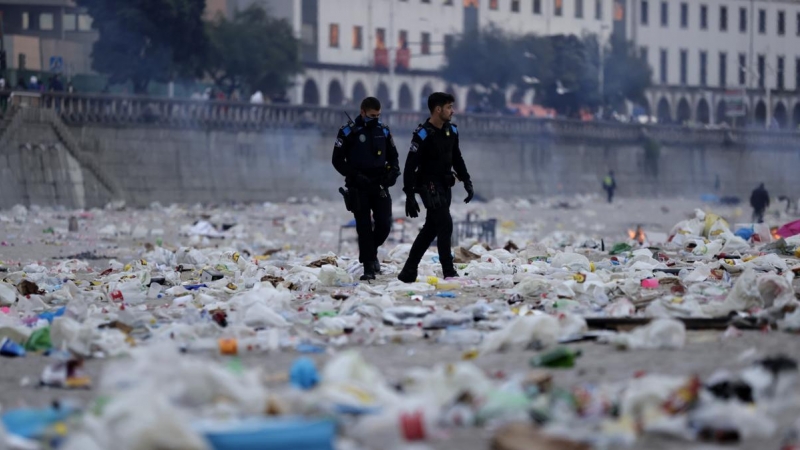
796, 115
703, 112
383, 96
722, 116
474, 99
359, 93
780, 115
761, 114
405, 101
684, 111
427, 90
662, 111
310, 93
335, 94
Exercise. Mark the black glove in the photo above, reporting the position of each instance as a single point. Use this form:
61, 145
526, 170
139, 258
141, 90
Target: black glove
362, 181
412, 207
470, 191
391, 178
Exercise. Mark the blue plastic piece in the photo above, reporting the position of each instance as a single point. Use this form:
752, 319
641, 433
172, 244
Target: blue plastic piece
310, 348
303, 374
271, 434
745, 233
194, 287
50, 315
32, 423
446, 294
11, 348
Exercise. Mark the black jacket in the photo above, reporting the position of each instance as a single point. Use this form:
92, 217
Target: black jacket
367, 149
433, 155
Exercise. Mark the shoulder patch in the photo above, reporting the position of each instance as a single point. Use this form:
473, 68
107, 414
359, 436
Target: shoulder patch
421, 132
454, 128
386, 131
346, 130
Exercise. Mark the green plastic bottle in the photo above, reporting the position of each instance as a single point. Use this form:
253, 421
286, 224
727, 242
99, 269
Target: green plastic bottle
561, 357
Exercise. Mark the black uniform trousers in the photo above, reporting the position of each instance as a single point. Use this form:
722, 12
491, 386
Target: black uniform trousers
438, 225
371, 205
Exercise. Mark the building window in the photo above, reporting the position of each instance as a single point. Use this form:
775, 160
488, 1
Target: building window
684, 15
70, 22
797, 25
559, 7
448, 2
515, 6
426, 44
797, 74
742, 69
402, 39
723, 18
643, 53
25, 21
579, 9
358, 42
779, 76
684, 66
470, 3
662, 66
703, 17
664, 14
743, 20
380, 38
45, 21
598, 9
537, 6
703, 68
21, 62
333, 35
723, 69
84, 22
762, 66
426, 1
781, 23
494, 4
645, 13
762, 21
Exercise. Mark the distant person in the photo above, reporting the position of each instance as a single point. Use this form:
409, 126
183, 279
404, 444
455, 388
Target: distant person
56, 85
717, 183
34, 84
759, 200
21, 84
610, 185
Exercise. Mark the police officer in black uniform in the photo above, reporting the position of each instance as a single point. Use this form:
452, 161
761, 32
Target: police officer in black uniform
433, 155
366, 156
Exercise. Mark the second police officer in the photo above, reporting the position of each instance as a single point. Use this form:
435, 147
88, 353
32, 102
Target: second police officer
433, 155
365, 154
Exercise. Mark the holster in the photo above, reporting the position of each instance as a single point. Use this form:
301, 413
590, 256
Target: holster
433, 196
351, 200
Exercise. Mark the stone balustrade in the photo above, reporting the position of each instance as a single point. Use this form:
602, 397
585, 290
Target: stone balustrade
101, 109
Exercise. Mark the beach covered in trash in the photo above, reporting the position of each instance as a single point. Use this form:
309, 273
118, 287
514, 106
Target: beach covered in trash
573, 324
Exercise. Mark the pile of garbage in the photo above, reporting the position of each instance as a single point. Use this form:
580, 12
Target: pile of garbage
176, 322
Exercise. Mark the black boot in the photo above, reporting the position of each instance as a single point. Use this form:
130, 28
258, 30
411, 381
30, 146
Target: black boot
369, 271
407, 275
376, 267
449, 272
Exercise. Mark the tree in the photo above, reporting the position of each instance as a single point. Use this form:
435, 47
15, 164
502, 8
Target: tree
253, 51
487, 59
627, 76
563, 69
145, 40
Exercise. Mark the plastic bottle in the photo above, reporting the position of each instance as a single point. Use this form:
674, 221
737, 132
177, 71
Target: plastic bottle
561, 357
461, 336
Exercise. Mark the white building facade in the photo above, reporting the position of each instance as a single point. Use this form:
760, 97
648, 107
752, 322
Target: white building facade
708, 56
394, 49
